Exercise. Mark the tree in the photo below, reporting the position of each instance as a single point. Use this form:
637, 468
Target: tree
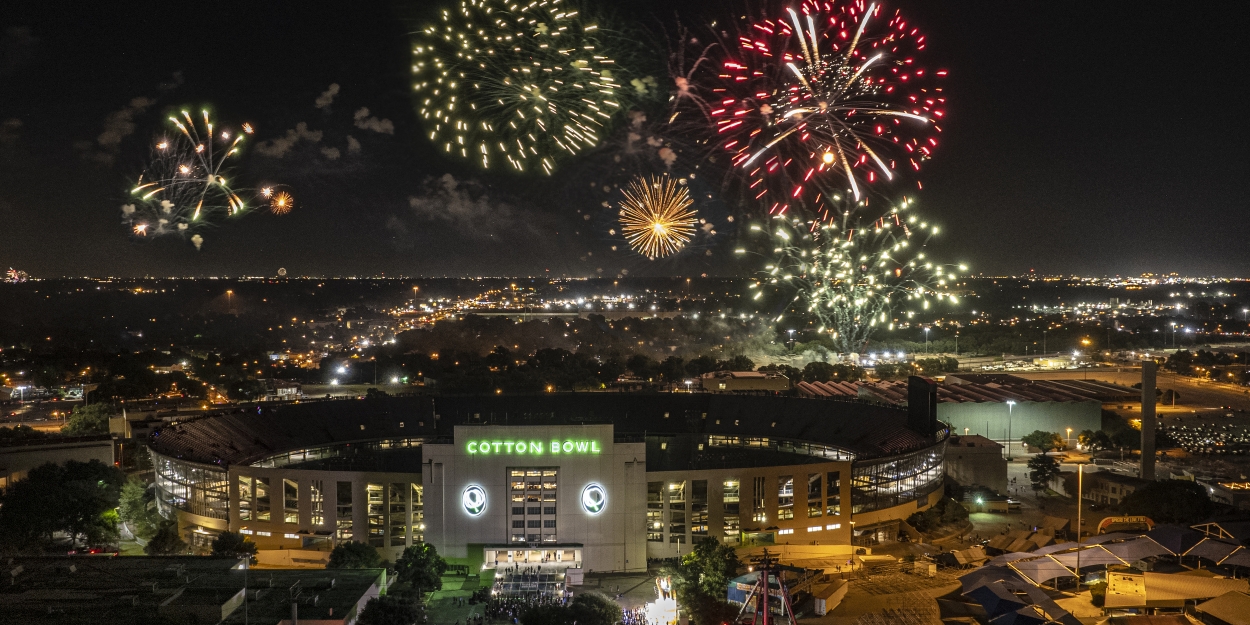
166, 541
354, 555
736, 363
389, 610
1042, 469
77, 498
701, 578
137, 508
790, 372
421, 567
592, 608
87, 420
818, 372
233, 545
1169, 501
1044, 441
589, 608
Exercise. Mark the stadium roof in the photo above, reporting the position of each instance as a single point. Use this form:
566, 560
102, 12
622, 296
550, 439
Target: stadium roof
247, 435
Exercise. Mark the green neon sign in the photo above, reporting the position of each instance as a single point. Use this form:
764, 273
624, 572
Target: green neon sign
532, 447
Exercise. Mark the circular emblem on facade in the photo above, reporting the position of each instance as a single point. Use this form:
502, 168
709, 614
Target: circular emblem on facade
594, 498
474, 500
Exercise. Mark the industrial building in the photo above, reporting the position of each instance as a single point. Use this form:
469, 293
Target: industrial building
598, 481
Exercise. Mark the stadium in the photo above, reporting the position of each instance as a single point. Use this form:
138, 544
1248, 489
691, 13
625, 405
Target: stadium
597, 481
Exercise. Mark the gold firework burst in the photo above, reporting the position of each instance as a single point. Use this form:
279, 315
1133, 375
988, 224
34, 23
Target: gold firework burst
281, 203
655, 216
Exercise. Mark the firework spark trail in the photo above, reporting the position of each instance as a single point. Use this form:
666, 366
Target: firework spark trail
186, 184
655, 216
521, 84
855, 276
822, 101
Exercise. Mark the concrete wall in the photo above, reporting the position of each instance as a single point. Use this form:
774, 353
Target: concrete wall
612, 540
991, 419
17, 461
984, 466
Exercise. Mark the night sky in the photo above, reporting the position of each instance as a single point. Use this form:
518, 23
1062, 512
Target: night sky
1092, 137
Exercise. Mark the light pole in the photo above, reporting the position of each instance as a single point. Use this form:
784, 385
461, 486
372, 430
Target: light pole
1080, 492
247, 566
926, 340
791, 339
1043, 343
1010, 404
1069, 438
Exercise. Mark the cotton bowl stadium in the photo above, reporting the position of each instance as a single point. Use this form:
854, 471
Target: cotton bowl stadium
597, 481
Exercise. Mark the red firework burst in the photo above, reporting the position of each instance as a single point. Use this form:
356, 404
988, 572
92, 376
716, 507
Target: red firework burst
821, 102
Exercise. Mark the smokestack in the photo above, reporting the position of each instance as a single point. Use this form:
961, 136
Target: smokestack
922, 406
1148, 421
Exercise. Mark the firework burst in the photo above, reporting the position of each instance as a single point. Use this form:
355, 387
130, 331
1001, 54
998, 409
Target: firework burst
854, 277
517, 84
820, 102
187, 182
281, 204
655, 216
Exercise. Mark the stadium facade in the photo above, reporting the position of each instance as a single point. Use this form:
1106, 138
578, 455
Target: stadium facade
603, 481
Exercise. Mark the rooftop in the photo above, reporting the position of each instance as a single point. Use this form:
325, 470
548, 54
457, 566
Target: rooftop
102, 590
249, 435
978, 388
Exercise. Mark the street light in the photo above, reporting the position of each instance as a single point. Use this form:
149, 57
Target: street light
926, 340
1069, 437
1010, 404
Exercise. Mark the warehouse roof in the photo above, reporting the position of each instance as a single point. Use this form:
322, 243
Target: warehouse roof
975, 388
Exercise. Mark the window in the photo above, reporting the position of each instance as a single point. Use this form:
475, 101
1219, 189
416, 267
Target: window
518, 524
246, 532
655, 525
533, 510
833, 526
894, 481
533, 523
518, 509
318, 503
375, 514
677, 495
262, 499
549, 523
418, 513
833, 492
757, 494
677, 526
264, 533
783, 532
655, 511
815, 498
290, 501
549, 509
343, 510
759, 517
730, 493
291, 536
785, 497
698, 509
397, 500
245, 498
815, 528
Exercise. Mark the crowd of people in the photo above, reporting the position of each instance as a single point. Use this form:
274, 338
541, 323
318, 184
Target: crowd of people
509, 609
636, 616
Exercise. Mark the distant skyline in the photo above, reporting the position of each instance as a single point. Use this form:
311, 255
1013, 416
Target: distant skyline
1088, 139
